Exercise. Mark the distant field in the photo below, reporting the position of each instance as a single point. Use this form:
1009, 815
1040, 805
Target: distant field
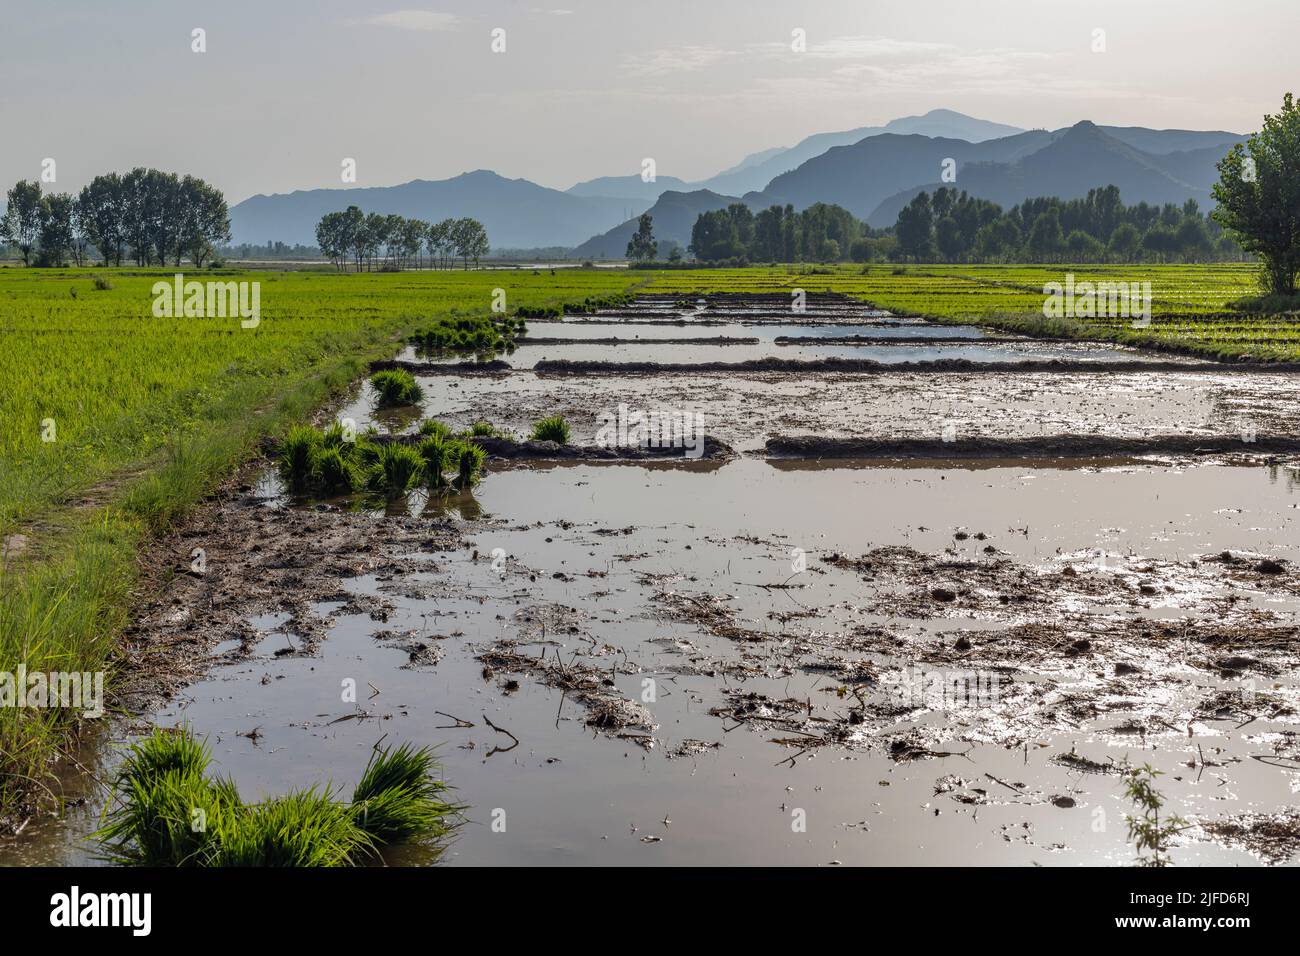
120, 385
1188, 301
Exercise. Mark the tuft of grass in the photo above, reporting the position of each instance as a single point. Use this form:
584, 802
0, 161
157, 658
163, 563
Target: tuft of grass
552, 428
335, 473
398, 469
398, 797
431, 426
483, 430
166, 811
298, 456
436, 451
396, 387
103, 284
469, 463
303, 828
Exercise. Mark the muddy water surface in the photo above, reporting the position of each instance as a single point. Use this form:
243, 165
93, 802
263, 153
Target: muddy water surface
592, 561
735, 661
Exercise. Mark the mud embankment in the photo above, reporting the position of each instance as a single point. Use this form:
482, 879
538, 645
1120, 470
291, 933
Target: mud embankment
615, 340
493, 366
1046, 446
872, 367
510, 449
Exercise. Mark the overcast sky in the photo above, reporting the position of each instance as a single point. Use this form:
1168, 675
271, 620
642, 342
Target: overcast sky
288, 88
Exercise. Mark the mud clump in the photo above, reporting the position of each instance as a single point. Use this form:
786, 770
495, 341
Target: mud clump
1273, 838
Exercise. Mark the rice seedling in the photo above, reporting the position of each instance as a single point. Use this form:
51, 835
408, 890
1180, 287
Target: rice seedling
436, 451
166, 811
482, 430
335, 436
479, 334
397, 470
334, 473
298, 456
552, 428
431, 426
398, 798
303, 828
396, 387
469, 463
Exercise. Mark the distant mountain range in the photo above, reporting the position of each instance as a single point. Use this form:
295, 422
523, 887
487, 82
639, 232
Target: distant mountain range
871, 171
1073, 161
752, 176
517, 213
674, 214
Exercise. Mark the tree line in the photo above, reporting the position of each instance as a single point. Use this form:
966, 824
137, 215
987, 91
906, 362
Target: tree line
395, 241
949, 226
146, 215
952, 226
822, 232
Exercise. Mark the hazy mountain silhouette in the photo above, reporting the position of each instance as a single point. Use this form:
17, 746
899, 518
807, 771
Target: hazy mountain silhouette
516, 212
861, 176
674, 215
871, 171
1080, 158
754, 173
627, 187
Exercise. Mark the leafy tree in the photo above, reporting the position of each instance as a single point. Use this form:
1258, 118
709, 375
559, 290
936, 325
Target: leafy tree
915, 229
1045, 239
642, 245
470, 240
1083, 247
22, 220
333, 238
1259, 197
103, 208
1191, 238
948, 237
1160, 242
1124, 242
204, 220
412, 234
999, 239
56, 229
439, 240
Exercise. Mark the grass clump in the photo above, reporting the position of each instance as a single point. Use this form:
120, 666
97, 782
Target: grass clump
396, 387
469, 463
397, 799
398, 469
325, 463
329, 463
298, 456
483, 430
470, 334
436, 452
552, 428
166, 811
431, 426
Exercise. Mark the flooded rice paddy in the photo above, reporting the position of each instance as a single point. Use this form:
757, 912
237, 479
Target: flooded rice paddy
755, 659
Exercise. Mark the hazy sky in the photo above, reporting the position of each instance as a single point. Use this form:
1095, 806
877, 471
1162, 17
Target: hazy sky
288, 88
